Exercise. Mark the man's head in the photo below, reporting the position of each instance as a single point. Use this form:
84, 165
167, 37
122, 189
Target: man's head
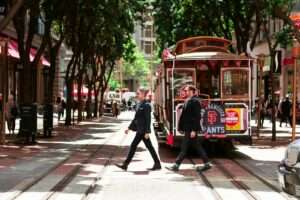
141, 94
190, 90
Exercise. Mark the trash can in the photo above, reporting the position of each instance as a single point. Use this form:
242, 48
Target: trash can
28, 123
48, 120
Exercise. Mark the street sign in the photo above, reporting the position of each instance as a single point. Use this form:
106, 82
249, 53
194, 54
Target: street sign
3, 7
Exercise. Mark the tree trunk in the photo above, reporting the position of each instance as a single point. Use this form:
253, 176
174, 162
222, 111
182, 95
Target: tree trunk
273, 103
96, 107
79, 99
89, 100
101, 108
69, 85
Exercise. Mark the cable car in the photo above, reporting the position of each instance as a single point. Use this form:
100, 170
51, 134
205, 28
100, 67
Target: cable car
223, 80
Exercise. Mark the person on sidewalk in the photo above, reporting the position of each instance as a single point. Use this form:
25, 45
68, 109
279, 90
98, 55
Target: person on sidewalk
286, 111
141, 124
189, 123
11, 113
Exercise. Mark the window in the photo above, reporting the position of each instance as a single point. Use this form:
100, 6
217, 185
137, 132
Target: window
148, 31
148, 47
182, 78
235, 83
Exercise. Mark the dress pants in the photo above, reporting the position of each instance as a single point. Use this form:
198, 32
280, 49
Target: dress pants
191, 142
138, 138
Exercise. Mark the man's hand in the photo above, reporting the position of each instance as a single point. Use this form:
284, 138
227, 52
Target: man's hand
147, 136
193, 134
126, 131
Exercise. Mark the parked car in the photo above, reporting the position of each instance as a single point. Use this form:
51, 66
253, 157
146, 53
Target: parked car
110, 98
289, 169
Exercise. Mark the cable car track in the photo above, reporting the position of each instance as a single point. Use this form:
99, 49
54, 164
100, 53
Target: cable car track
249, 186
67, 179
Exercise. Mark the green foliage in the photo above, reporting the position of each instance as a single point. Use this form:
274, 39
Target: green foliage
136, 66
113, 84
176, 20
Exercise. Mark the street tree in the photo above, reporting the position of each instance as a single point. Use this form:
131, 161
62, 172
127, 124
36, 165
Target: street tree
272, 10
176, 20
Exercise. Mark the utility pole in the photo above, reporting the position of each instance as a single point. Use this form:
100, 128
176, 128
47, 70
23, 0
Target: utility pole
260, 100
296, 55
4, 79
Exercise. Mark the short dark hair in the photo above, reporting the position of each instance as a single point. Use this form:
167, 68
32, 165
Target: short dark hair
191, 88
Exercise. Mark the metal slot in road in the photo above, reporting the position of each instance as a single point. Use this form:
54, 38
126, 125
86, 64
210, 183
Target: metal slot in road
229, 180
62, 177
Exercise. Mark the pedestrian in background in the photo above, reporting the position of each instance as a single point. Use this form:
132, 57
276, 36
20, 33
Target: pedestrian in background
286, 106
11, 113
189, 124
141, 124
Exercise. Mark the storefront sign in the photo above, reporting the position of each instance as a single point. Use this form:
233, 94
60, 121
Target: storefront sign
3, 7
213, 119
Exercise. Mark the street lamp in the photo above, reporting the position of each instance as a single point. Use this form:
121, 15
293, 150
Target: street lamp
261, 63
296, 55
4, 79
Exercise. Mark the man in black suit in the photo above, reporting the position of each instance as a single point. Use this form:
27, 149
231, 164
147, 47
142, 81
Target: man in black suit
189, 123
141, 124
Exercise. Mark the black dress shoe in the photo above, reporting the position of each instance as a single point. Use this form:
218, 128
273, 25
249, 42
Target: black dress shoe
173, 168
203, 168
155, 167
123, 167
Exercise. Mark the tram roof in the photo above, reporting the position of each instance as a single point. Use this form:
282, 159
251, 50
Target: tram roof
207, 56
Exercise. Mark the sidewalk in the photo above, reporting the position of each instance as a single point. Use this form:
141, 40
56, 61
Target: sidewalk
22, 165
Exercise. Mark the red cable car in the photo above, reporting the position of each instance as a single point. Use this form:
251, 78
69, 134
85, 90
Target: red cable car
223, 80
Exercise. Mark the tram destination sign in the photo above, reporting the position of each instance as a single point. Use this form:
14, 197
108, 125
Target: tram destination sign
213, 119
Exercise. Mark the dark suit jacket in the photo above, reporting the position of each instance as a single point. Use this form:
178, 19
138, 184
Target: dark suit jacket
190, 116
142, 119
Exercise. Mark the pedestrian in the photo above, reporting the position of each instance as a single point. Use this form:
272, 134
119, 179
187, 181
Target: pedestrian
115, 108
60, 109
141, 124
286, 106
189, 124
64, 106
11, 113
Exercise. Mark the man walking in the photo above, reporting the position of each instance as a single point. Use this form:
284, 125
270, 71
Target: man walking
141, 125
189, 123
286, 111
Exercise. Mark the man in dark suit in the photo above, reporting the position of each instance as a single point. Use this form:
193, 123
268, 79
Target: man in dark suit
189, 123
141, 124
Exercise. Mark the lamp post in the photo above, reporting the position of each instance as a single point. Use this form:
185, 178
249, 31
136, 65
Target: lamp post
261, 62
296, 55
3, 92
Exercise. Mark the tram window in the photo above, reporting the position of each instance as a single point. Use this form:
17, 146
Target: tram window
235, 83
182, 78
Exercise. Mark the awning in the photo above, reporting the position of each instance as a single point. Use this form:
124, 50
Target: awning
14, 52
84, 91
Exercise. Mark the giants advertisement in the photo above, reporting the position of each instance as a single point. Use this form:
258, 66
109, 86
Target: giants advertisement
213, 119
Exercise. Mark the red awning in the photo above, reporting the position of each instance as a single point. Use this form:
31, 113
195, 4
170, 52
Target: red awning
13, 52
